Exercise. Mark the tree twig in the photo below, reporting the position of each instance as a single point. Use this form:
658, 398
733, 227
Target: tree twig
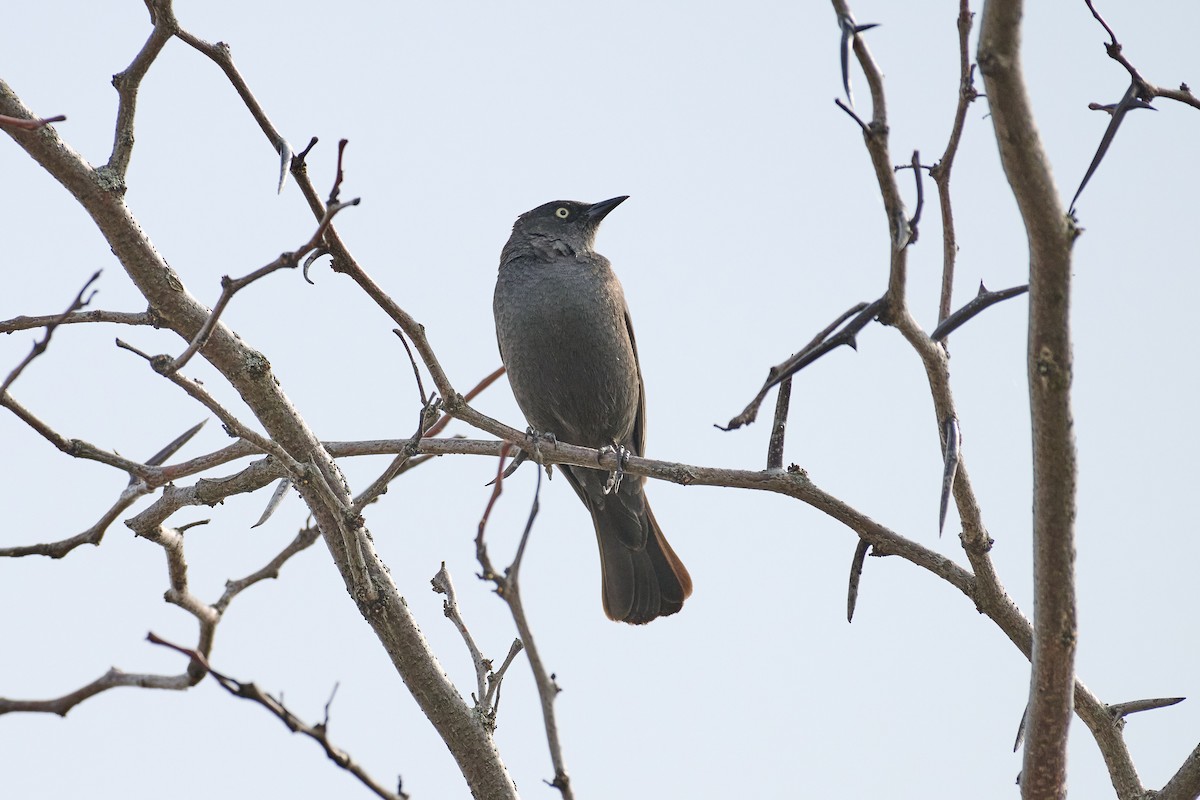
318, 733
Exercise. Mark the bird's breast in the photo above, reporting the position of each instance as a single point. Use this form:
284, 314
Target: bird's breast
563, 335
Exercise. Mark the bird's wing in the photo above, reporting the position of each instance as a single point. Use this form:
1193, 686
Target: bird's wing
639, 422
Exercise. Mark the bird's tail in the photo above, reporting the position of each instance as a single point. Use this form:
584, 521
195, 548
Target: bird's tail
642, 577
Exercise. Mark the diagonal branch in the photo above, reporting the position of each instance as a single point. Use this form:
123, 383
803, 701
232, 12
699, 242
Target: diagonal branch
823, 343
318, 732
983, 299
137, 487
20, 123
231, 286
1127, 103
40, 346
129, 81
1147, 90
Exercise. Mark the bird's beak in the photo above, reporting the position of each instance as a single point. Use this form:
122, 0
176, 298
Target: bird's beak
598, 211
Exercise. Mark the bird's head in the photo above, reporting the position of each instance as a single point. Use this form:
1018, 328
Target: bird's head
564, 223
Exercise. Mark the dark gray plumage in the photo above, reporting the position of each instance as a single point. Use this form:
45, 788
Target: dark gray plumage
567, 342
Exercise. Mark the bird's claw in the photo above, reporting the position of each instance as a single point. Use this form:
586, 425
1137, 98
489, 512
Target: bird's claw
536, 438
614, 478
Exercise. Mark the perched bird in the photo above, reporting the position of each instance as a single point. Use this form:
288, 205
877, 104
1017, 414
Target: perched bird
567, 342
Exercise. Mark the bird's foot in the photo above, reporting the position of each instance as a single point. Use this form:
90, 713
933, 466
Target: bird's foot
536, 438
614, 478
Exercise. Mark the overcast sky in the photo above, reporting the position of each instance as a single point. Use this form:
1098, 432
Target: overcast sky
754, 220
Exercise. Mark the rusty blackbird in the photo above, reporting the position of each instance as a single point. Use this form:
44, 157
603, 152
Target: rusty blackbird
567, 342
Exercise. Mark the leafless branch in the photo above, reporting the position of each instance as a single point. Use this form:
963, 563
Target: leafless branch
783, 402
915, 220
318, 733
982, 300
1049, 357
379, 486
112, 679
29, 124
137, 487
495, 679
940, 172
303, 540
129, 81
508, 587
77, 448
1127, 103
850, 29
81, 300
1134, 706
1146, 90
413, 361
95, 315
221, 55
822, 344
854, 116
1185, 783
231, 286
443, 584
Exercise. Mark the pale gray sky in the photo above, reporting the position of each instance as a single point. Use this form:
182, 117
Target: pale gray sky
754, 220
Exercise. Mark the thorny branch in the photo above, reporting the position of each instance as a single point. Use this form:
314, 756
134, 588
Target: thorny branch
230, 286
29, 124
1139, 95
940, 172
81, 300
137, 487
318, 732
982, 300
823, 343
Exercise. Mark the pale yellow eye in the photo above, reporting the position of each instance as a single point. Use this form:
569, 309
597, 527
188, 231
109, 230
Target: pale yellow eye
562, 213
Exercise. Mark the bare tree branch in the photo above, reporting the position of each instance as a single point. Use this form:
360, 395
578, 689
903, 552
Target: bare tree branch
1049, 362
127, 84
1185, 783
508, 586
982, 300
20, 123
1147, 90
940, 172
303, 540
318, 732
1127, 103
81, 300
136, 488
823, 343
112, 679
230, 286
95, 315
